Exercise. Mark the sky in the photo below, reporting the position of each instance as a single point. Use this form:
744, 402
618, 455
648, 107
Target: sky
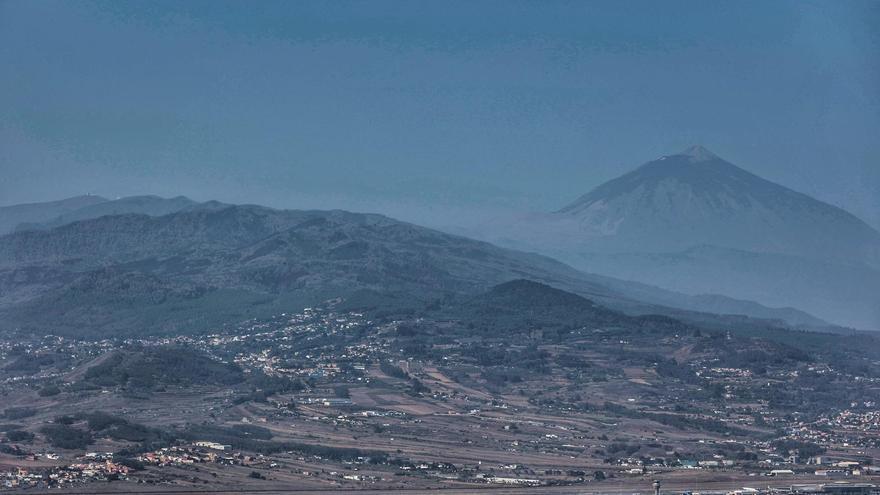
431, 112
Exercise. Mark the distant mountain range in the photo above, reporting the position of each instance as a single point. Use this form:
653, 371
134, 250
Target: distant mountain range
12, 216
55, 213
695, 223
210, 264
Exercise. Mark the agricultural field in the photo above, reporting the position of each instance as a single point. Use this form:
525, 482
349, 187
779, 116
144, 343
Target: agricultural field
540, 391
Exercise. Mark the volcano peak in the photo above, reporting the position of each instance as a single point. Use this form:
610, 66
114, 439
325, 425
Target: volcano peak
698, 153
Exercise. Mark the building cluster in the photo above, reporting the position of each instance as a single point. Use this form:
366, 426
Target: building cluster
200, 453
79, 472
847, 428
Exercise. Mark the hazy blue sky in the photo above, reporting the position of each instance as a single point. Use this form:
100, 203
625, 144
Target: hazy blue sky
423, 109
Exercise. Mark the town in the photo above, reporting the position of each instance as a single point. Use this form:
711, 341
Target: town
335, 398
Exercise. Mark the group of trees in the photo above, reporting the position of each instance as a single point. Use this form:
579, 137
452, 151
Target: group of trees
148, 368
18, 412
76, 431
803, 449
393, 370
29, 364
416, 387
66, 436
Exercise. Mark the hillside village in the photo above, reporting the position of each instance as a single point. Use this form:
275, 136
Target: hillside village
595, 409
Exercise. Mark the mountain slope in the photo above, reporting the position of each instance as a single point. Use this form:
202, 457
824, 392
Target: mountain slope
525, 306
837, 291
216, 264
146, 205
696, 198
195, 268
696, 224
12, 216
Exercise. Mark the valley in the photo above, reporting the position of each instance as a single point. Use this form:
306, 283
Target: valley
522, 385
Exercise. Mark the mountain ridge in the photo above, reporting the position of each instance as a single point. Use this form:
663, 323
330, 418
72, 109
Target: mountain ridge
13, 215
145, 204
207, 266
